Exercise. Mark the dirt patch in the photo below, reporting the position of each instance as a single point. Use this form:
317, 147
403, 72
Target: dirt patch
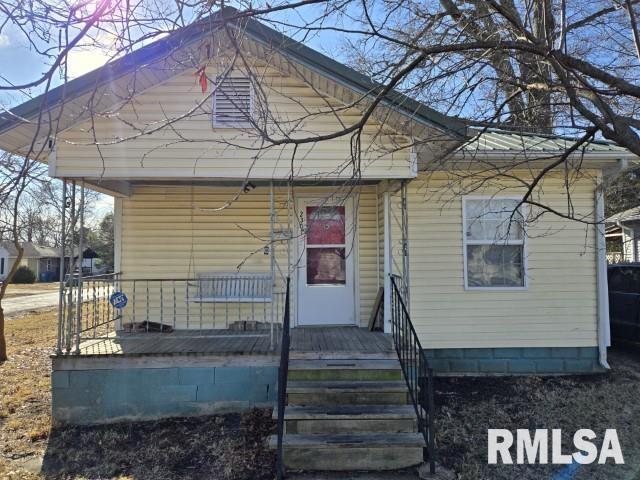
223, 447
467, 407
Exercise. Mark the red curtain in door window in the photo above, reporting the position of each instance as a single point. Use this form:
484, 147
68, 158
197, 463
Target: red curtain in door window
325, 225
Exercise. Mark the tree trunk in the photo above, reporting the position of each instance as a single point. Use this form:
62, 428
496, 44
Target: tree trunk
3, 341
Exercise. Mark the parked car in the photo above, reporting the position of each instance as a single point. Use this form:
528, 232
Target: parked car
624, 301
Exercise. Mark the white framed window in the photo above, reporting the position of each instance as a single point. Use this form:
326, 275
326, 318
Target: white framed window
494, 244
233, 103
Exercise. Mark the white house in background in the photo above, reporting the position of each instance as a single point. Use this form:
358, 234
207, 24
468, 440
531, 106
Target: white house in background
623, 233
38, 258
42, 260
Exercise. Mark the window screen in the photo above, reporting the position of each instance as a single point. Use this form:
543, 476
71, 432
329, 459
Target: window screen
494, 243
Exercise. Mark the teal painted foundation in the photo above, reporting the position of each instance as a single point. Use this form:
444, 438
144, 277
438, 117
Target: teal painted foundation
514, 361
107, 395
114, 393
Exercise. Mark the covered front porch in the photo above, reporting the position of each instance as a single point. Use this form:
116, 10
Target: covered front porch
202, 270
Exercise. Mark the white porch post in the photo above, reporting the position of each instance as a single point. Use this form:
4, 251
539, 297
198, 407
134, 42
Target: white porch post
272, 259
61, 273
387, 262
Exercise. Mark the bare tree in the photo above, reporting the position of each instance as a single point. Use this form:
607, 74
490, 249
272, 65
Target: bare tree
550, 66
16, 174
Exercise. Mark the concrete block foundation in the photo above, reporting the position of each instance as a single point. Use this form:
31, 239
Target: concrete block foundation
515, 361
97, 394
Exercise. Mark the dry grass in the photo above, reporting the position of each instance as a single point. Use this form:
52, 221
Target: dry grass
20, 290
468, 407
25, 389
224, 447
231, 447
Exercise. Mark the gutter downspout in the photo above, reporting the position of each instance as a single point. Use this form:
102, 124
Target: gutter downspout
604, 333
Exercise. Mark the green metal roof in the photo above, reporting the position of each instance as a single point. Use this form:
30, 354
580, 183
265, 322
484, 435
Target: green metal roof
503, 141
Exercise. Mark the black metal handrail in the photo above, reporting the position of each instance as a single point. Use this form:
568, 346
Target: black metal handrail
283, 372
416, 370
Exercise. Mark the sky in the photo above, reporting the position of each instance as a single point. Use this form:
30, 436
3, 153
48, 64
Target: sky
21, 65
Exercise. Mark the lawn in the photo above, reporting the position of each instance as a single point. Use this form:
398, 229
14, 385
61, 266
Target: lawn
231, 447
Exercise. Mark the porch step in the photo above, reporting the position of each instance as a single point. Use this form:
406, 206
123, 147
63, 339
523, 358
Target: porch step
351, 452
345, 369
344, 419
349, 414
410, 474
340, 392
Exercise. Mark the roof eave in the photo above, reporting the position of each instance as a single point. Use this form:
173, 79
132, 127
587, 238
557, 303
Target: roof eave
546, 155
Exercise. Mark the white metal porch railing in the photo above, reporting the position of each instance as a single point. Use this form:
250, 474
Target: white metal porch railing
211, 301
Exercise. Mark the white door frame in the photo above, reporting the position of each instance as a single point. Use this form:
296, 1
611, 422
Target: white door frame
354, 199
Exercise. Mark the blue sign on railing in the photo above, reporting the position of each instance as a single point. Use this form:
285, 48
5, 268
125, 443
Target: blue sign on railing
118, 300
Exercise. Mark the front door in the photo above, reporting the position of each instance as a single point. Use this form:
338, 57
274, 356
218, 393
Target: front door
326, 288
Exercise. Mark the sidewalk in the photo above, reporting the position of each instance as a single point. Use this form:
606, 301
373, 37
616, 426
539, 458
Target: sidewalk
29, 302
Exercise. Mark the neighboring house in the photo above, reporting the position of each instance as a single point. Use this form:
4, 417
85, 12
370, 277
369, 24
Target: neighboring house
623, 236
42, 260
206, 232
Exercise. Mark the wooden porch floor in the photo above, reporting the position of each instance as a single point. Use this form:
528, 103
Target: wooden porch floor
304, 340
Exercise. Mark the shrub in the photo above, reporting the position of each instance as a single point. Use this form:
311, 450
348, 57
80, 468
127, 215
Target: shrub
23, 275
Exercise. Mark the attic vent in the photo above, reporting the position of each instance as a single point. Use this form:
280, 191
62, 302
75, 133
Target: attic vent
232, 103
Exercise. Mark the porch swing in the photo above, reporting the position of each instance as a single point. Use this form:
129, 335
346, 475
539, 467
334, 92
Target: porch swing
252, 288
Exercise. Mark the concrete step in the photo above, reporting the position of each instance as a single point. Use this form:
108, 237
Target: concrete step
345, 369
353, 452
408, 474
347, 393
343, 419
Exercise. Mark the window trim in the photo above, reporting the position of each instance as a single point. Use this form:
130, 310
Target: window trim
228, 126
525, 264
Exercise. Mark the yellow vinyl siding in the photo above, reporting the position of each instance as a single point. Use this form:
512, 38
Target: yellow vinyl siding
166, 234
192, 147
557, 309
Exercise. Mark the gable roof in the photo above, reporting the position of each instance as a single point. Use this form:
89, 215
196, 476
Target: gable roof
31, 250
17, 127
26, 113
629, 215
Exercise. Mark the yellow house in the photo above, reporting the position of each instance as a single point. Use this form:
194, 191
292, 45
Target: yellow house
233, 168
